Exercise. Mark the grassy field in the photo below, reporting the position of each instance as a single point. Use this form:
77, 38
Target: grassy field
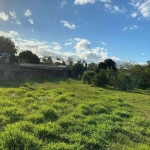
65, 114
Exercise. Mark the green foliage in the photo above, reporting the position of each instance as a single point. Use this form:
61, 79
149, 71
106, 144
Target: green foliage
77, 70
88, 77
28, 56
100, 79
7, 46
108, 63
92, 67
125, 82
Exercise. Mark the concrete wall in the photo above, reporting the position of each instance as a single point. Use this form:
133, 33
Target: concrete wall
15, 72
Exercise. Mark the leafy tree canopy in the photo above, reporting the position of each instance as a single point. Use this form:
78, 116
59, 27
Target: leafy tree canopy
108, 63
28, 56
7, 46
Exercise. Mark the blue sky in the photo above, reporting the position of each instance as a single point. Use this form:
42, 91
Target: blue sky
91, 30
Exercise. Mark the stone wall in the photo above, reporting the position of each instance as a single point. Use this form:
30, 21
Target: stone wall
16, 72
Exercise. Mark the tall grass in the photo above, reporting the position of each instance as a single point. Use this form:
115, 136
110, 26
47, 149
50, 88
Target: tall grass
68, 115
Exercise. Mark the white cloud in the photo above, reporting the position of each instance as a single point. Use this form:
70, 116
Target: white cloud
68, 43
68, 25
134, 14
31, 21
114, 9
56, 47
142, 6
103, 43
84, 51
3, 16
28, 12
18, 22
13, 15
106, 1
134, 27
82, 47
83, 2
125, 28
63, 3
9, 34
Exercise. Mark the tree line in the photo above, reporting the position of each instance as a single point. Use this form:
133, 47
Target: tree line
124, 77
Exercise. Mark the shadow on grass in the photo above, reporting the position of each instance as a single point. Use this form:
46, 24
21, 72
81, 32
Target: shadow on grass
135, 91
18, 83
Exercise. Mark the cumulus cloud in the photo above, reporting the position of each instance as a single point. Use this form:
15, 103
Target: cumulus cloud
31, 21
28, 12
142, 6
83, 2
134, 27
10, 34
68, 25
3, 16
114, 9
85, 52
56, 47
82, 47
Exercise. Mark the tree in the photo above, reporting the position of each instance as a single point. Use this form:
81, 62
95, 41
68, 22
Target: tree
110, 64
77, 69
7, 46
92, 67
102, 65
47, 60
28, 56
70, 61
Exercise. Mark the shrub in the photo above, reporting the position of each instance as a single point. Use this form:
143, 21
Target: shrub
88, 77
124, 82
100, 79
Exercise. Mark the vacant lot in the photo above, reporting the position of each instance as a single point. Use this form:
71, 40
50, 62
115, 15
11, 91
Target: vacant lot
69, 115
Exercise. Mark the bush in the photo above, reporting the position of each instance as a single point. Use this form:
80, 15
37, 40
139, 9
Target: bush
125, 82
100, 79
88, 77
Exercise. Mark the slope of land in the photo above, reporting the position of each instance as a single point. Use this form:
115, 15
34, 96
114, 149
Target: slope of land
69, 115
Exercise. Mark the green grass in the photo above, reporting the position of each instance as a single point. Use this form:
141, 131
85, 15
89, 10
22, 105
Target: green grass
65, 114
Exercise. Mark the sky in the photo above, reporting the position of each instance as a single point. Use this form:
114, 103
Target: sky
90, 30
